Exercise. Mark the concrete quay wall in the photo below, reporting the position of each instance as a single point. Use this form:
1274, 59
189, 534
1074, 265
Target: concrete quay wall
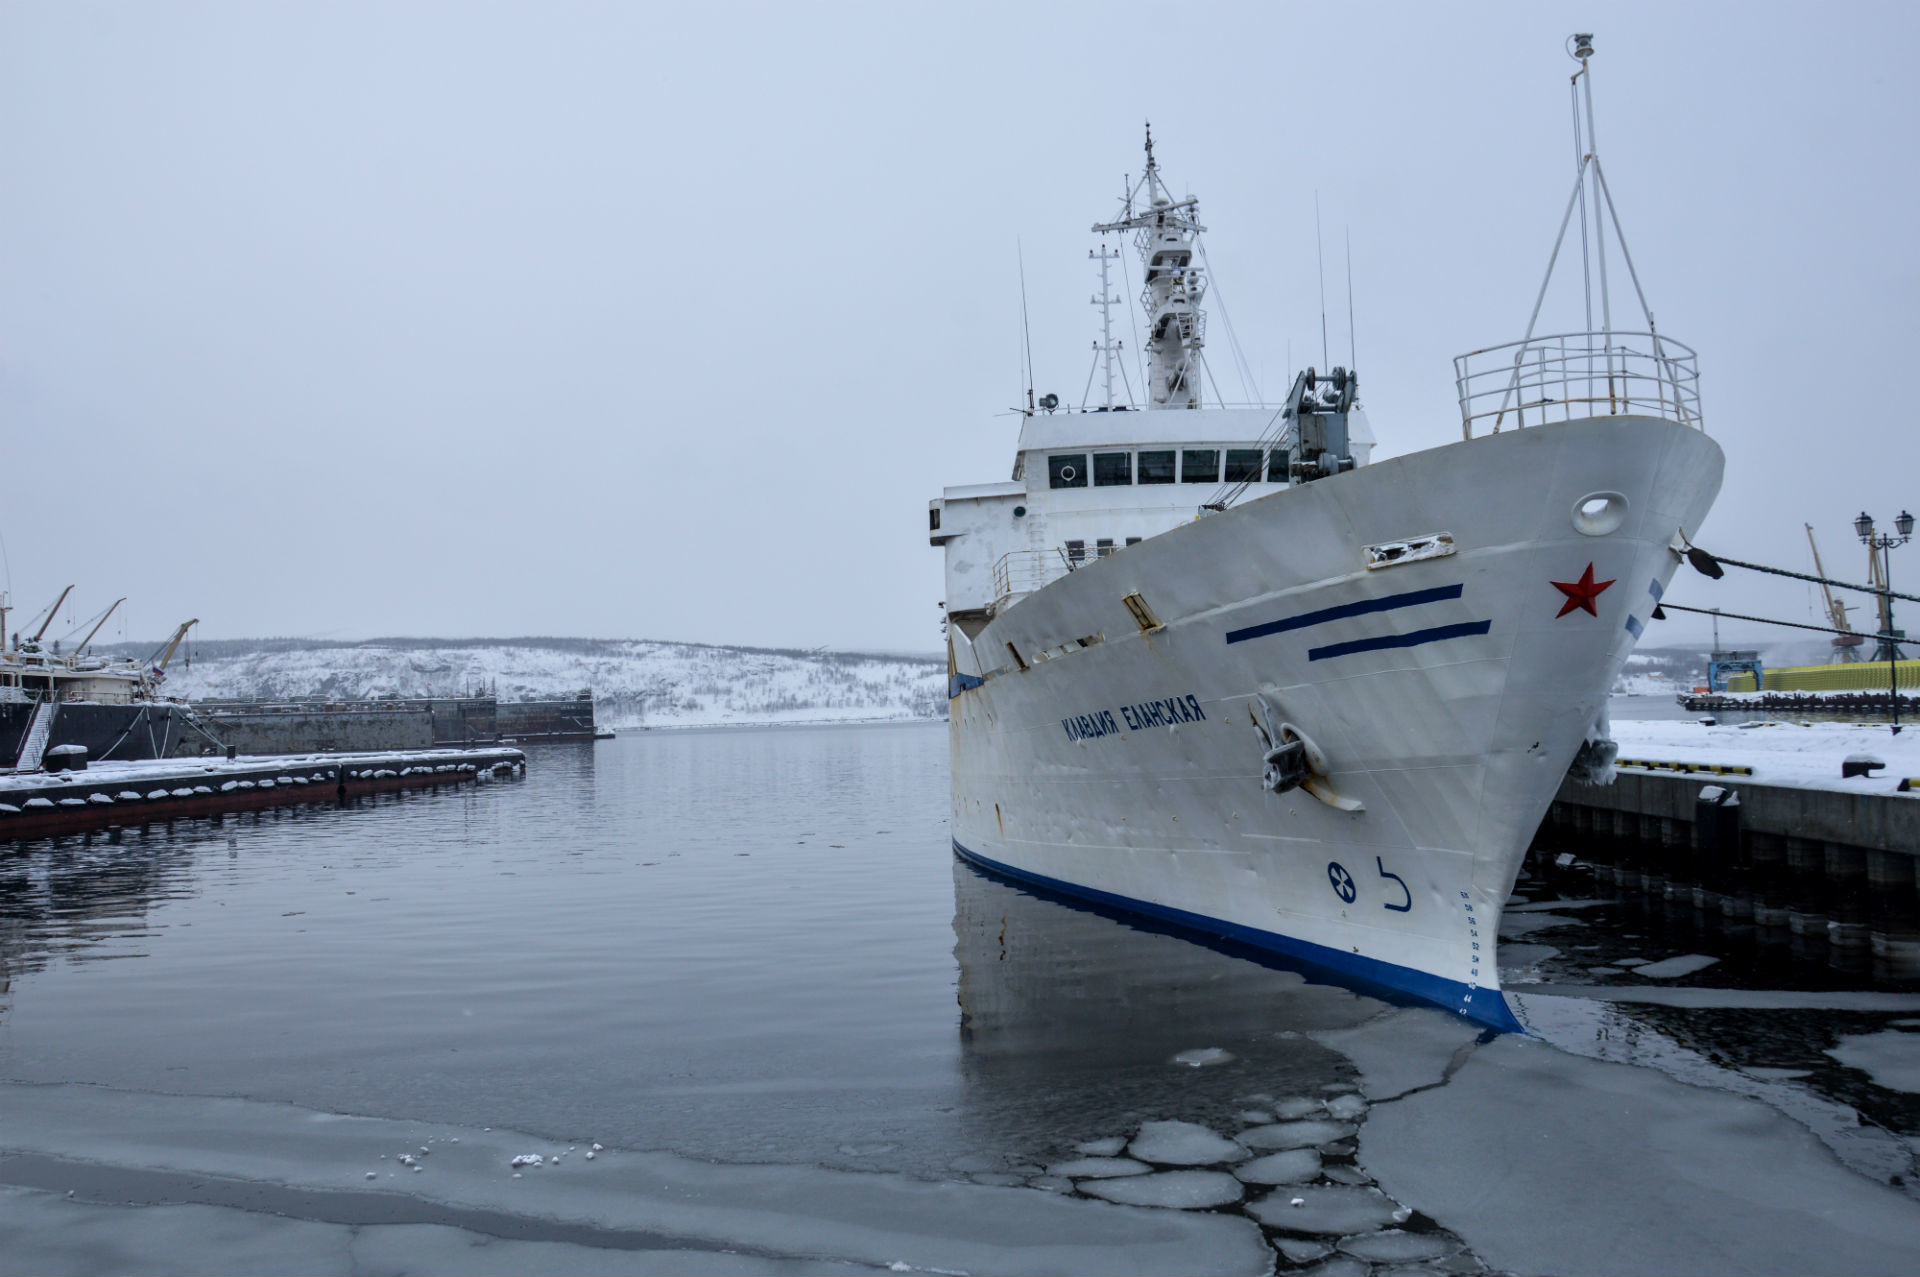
1884, 822
296, 731
312, 726
1820, 863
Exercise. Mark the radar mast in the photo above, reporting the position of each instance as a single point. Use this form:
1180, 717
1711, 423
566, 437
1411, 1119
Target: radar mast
1176, 326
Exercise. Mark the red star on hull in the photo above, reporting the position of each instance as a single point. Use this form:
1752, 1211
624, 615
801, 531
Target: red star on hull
1580, 594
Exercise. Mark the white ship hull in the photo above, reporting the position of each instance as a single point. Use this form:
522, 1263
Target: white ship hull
1448, 695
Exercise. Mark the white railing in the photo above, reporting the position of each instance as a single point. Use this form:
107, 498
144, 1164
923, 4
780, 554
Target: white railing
1024, 571
1571, 375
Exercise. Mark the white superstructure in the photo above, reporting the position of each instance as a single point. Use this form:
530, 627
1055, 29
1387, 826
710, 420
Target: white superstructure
1216, 665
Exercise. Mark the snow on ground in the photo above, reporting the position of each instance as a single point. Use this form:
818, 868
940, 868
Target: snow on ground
1781, 753
1645, 683
634, 682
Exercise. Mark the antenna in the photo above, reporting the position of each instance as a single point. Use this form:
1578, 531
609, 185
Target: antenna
1107, 346
1320, 264
1026, 331
1353, 359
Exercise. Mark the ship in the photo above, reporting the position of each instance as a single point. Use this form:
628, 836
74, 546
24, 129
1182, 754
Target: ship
1219, 666
54, 702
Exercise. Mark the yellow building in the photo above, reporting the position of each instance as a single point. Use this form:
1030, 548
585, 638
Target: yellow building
1863, 676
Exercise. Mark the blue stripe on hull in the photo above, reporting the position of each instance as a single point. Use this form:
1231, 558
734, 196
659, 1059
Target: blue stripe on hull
1365, 607
1489, 1006
1387, 642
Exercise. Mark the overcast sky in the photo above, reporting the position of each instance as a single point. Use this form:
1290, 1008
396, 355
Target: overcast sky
665, 321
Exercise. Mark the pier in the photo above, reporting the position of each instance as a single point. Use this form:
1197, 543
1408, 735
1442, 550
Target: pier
107, 795
1759, 825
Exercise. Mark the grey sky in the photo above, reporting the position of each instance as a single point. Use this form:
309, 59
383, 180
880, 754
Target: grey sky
665, 321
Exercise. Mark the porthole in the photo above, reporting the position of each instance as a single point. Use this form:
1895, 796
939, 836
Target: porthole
1599, 513
1019, 512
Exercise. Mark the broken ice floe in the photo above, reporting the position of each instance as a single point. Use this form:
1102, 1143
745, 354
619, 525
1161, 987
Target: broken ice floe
1176, 1190
1673, 968
1303, 1134
1328, 1211
1099, 1168
1346, 1107
1183, 1144
1108, 1147
1300, 1251
1254, 1117
1393, 1246
1294, 1166
1348, 1266
1201, 1057
1297, 1106
528, 1159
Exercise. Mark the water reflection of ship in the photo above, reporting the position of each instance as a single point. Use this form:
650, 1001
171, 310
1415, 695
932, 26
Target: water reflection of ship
1054, 990
63, 898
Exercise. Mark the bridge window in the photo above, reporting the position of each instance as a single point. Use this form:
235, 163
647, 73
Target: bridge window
1068, 471
1103, 547
1200, 465
1112, 468
1076, 552
1133, 540
1156, 467
1277, 466
1243, 465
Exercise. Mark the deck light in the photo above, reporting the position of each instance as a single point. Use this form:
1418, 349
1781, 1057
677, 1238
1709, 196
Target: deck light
1864, 526
1905, 524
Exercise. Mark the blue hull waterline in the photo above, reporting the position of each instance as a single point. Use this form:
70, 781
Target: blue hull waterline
1488, 1007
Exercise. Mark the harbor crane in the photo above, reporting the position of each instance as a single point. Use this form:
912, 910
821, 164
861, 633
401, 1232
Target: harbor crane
81, 646
33, 644
1846, 645
157, 663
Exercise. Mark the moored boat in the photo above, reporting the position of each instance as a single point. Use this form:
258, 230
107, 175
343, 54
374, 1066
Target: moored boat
1217, 665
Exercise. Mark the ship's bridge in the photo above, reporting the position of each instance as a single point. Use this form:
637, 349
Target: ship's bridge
1089, 484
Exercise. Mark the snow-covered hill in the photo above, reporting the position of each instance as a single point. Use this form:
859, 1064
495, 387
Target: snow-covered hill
634, 682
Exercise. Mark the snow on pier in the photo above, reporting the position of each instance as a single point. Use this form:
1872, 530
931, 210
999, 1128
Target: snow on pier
1803, 755
129, 793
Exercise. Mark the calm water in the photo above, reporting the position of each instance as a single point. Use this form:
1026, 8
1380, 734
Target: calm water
756, 947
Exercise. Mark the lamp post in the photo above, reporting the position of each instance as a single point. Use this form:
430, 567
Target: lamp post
1884, 543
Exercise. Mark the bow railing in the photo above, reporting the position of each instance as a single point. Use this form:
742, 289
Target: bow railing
1567, 376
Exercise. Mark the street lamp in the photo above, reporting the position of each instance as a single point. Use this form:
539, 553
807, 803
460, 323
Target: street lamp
1884, 543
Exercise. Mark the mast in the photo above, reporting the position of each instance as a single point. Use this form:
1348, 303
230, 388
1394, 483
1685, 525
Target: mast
1176, 326
1106, 348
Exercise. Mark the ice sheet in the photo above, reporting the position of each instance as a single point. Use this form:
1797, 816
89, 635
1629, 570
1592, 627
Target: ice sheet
1890, 1058
1622, 1166
652, 1200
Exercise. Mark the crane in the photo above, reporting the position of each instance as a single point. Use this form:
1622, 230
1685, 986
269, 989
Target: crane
1845, 646
82, 645
33, 643
157, 663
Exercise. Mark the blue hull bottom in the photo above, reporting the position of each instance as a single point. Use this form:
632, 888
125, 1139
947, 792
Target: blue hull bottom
1482, 1006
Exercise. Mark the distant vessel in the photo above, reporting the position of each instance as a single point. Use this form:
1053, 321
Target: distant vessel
112, 708
1215, 665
